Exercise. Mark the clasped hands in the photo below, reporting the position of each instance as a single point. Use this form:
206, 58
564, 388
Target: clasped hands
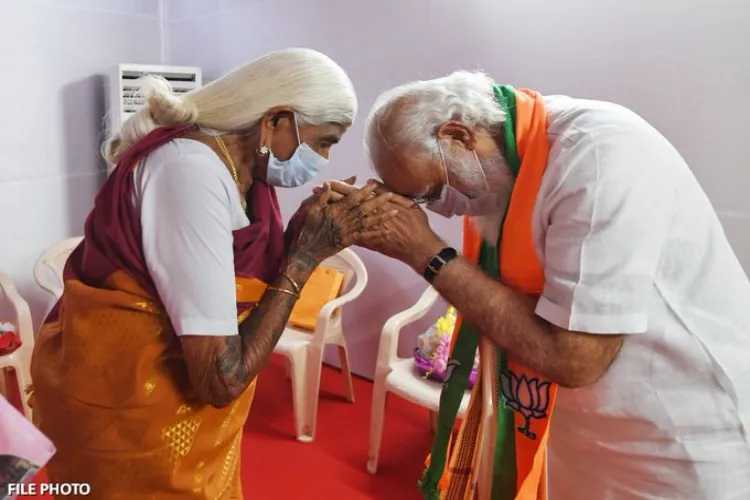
372, 217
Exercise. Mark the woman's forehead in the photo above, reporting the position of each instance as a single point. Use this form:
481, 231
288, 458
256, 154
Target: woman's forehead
333, 131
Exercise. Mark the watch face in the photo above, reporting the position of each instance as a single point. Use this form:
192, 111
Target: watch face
14, 470
438, 261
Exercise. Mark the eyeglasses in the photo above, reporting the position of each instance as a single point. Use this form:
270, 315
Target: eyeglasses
422, 200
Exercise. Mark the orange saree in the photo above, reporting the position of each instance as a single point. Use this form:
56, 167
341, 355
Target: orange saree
110, 386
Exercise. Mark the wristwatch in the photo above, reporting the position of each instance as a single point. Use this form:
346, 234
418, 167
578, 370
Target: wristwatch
437, 262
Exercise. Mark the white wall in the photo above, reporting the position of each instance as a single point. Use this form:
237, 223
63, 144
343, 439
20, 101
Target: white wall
54, 55
684, 66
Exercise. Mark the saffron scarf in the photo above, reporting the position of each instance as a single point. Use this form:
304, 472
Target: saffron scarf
111, 387
516, 425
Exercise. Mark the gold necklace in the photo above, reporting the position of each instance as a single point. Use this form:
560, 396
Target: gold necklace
232, 168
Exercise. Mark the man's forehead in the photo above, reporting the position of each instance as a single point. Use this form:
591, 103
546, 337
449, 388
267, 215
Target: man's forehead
403, 173
406, 167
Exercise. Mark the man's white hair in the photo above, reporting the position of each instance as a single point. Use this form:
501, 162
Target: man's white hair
412, 113
314, 86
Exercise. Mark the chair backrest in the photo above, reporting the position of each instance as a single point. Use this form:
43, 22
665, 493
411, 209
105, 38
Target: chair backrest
388, 348
21, 313
329, 321
352, 266
48, 270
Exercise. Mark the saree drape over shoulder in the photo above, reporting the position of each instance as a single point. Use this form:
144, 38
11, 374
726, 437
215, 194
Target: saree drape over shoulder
110, 383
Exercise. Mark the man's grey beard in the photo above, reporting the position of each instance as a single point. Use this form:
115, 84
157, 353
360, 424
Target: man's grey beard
500, 182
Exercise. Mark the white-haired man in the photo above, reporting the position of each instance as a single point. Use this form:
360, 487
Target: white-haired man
617, 284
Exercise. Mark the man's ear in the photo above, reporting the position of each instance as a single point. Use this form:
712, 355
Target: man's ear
458, 133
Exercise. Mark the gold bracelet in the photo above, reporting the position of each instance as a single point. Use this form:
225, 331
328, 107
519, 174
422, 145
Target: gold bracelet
294, 284
288, 292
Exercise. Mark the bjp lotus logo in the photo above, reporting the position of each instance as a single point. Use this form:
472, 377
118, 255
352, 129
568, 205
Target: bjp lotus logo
450, 368
529, 397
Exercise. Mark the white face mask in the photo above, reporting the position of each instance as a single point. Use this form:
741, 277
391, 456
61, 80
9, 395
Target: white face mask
453, 202
304, 164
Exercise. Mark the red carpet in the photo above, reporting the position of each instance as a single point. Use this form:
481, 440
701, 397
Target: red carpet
275, 465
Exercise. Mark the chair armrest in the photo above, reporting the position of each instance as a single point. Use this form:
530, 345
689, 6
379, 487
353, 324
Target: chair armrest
41, 275
388, 349
52, 263
326, 314
20, 307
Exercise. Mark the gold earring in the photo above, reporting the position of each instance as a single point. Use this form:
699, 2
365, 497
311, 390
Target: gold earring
263, 150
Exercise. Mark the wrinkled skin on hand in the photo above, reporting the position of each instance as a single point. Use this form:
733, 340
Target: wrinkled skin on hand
322, 227
406, 236
295, 223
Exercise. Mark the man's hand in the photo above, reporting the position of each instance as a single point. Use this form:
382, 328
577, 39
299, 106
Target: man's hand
407, 237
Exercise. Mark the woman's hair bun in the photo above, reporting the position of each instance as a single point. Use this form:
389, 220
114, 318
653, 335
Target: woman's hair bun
164, 106
161, 107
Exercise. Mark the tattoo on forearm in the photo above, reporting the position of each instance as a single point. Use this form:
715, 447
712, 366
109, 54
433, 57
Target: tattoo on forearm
229, 360
242, 357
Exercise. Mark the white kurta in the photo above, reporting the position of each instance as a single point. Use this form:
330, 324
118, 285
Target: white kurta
631, 245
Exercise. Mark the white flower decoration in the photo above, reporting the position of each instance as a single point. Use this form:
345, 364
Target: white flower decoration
7, 327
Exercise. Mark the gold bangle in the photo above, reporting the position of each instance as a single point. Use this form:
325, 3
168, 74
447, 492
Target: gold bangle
294, 284
288, 292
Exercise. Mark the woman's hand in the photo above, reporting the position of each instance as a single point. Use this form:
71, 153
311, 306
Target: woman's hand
321, 228
341, 188
295, 223
406, 236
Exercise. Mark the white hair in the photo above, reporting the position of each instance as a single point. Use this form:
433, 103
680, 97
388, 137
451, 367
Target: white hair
316, 88
412, 113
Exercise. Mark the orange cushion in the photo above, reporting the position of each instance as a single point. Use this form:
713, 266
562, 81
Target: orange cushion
323, 286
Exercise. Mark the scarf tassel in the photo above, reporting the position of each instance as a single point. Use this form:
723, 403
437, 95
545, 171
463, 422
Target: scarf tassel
432, 489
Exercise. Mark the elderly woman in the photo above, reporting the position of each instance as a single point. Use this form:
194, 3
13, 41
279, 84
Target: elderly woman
145, 370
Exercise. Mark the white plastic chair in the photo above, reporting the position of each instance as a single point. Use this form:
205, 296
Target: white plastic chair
304, 350
398, 375
20, 359
48, 270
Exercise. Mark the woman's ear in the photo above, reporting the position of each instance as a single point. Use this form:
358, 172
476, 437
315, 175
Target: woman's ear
275, 117
265, 133
270, 123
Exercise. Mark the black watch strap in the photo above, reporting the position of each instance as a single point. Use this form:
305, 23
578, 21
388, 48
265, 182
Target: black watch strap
437, 262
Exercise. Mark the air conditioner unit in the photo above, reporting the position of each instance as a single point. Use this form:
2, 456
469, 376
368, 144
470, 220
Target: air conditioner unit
125, 98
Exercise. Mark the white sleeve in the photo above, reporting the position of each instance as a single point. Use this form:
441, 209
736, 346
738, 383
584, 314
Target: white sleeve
607, 227
186, 218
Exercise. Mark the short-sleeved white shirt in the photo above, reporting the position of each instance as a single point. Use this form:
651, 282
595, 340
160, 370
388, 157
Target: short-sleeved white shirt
189, 206
631, 245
